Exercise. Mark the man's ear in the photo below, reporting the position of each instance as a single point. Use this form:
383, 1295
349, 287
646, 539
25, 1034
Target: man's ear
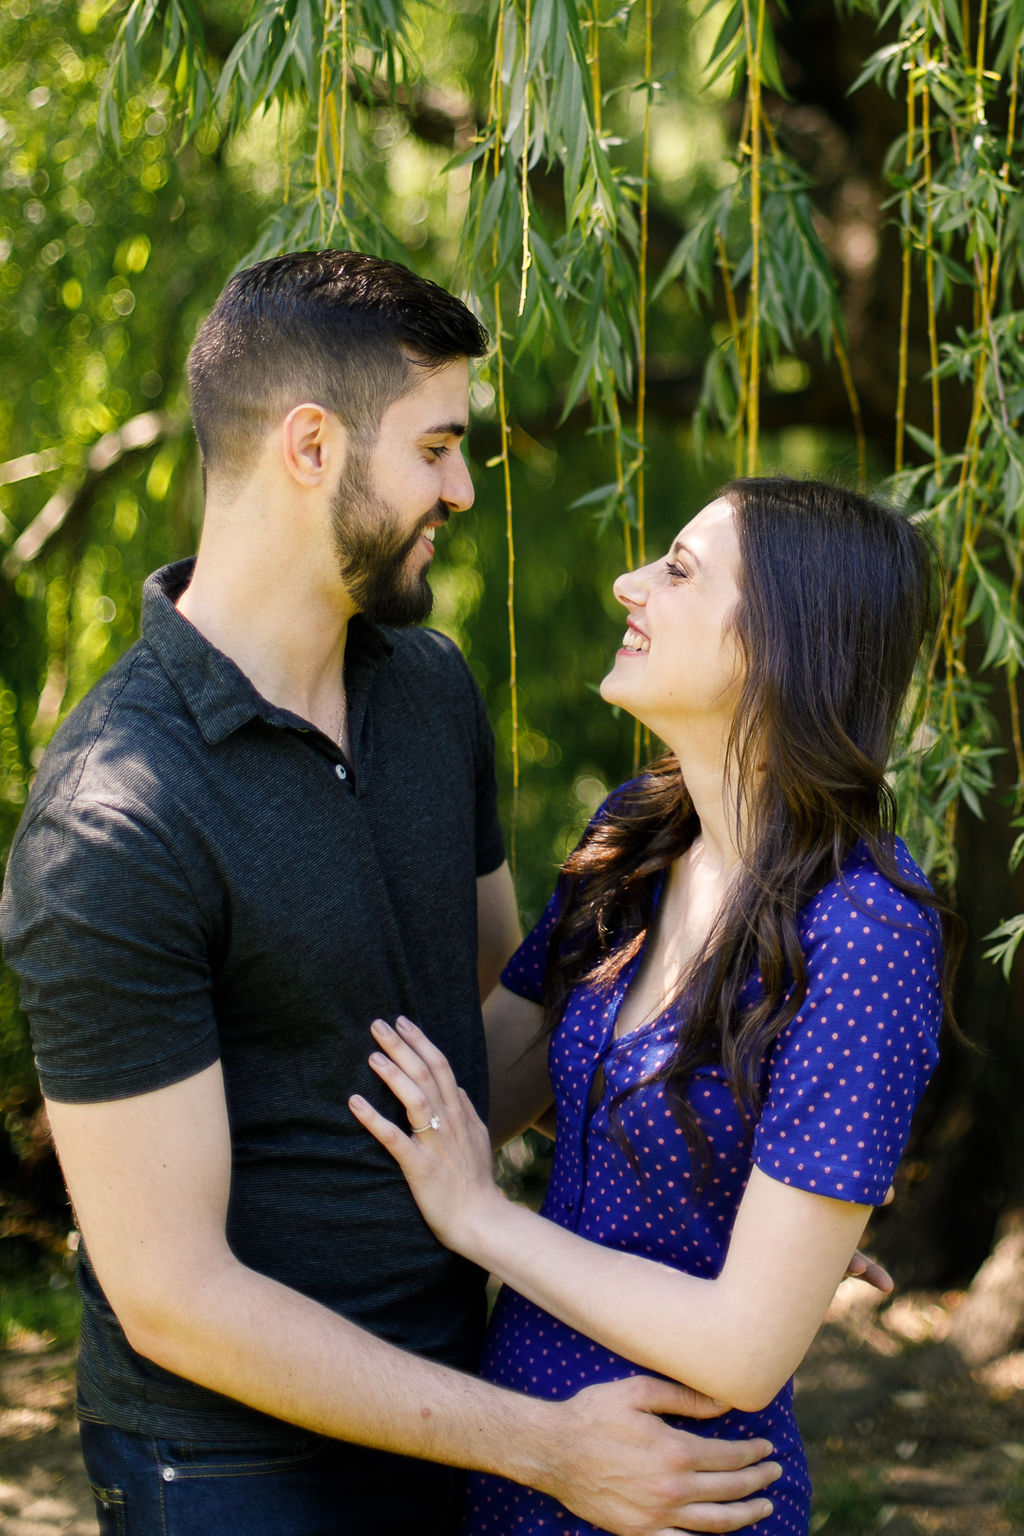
314, 445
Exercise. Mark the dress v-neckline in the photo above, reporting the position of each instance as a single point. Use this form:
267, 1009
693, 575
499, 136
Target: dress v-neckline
626, 979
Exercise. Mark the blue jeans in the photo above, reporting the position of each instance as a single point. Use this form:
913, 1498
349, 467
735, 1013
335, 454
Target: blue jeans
302, 1487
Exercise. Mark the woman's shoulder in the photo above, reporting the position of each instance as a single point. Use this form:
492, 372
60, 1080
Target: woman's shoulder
635, 799
623, 798
864, 902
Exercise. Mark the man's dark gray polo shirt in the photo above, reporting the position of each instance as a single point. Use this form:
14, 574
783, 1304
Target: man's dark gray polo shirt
201, 876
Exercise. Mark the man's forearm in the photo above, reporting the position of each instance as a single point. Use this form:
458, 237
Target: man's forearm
606, 1453
150, 1181
255, 1340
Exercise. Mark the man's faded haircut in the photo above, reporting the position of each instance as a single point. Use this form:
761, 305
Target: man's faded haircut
349, 332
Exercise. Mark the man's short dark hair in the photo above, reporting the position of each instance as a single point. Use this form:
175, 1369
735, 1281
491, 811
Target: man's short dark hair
337, 328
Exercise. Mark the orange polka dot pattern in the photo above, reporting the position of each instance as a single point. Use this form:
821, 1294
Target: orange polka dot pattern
839, 1087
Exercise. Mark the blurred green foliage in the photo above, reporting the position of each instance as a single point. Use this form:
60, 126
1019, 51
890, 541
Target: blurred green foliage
108, 263
147, 150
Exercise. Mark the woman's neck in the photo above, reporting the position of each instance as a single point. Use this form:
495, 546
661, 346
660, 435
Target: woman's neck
706, 772
697, 889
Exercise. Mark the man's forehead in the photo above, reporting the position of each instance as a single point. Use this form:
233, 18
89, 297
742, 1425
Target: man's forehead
438, 403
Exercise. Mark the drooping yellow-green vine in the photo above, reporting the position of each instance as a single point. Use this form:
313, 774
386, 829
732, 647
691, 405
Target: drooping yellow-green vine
558, 233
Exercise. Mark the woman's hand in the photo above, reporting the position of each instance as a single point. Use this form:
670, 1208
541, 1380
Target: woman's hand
446, 1157
863, 1268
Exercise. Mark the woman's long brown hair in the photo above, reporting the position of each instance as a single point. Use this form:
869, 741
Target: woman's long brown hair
835, 596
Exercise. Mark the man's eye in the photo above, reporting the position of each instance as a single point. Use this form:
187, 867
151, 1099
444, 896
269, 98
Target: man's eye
438, 450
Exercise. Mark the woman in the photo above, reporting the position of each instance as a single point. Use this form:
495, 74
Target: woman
742, 970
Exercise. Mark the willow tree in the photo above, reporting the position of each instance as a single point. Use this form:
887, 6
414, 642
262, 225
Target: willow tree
716, 237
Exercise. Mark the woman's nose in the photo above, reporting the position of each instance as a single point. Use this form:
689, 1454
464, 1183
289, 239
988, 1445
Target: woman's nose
631, 587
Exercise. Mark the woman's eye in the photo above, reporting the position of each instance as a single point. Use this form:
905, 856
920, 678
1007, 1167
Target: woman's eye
674, 569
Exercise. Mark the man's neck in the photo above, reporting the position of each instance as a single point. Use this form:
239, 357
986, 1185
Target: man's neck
284, 630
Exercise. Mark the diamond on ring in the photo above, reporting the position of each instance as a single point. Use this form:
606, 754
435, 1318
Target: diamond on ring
433, 1124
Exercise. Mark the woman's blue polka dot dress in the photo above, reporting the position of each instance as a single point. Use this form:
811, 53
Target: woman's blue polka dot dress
840, 1086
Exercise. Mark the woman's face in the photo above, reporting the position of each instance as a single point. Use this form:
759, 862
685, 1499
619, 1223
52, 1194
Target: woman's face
679, 660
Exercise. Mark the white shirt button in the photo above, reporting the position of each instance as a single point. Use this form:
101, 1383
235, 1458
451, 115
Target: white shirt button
340, 770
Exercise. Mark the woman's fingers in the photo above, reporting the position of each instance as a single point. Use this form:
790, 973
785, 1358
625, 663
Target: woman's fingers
410, 1050
861, 1267
385, 1130
410, 1078
420, 1077
428, 1052
446, 1155
419, 1102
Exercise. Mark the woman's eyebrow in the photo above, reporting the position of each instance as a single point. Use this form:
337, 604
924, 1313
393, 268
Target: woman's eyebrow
679, 548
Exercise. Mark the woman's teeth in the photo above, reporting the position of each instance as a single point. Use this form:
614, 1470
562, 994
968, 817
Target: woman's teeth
635, 641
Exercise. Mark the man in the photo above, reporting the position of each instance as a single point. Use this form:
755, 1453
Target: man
270, 823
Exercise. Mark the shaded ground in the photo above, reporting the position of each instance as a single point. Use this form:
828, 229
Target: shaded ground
42, 1484
901, 1439
900, 1442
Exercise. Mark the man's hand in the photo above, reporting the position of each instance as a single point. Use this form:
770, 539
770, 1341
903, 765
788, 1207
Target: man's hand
626, 1471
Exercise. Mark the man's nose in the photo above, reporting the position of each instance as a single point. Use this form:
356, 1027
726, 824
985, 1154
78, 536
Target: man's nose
458, 493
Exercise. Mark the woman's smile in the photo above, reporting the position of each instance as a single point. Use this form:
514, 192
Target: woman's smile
635, 642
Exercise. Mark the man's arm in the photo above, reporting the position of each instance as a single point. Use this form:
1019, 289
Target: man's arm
517, 1053
517, 1061
149, 1178
498, 930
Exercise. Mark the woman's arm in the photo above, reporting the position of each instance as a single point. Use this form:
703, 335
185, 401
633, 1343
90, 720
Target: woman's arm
737, 1338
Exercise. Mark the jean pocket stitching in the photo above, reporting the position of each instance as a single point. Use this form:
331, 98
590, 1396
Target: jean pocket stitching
255, 1467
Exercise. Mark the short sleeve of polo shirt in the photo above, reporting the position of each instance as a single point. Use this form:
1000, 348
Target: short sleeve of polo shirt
101, 927
846, 1075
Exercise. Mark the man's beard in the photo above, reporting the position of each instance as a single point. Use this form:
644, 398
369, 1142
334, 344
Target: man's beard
373, 550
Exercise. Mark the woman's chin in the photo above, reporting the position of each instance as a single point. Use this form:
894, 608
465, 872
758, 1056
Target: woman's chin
607, 688
615, 693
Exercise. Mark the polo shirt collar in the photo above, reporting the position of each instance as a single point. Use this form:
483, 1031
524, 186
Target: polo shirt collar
214, 689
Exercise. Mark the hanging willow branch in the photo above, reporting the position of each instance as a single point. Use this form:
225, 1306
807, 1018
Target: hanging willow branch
754, 34
557, 230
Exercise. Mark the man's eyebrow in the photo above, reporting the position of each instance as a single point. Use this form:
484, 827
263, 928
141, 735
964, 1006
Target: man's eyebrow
446, 429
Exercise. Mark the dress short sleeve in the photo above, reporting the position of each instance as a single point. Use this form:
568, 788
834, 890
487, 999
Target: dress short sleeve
525, 972
845, 1076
